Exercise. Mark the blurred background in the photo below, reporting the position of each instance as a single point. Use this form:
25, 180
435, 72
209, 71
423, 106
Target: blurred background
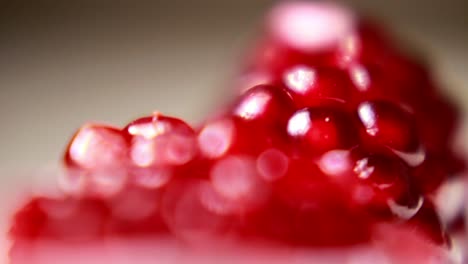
63, 63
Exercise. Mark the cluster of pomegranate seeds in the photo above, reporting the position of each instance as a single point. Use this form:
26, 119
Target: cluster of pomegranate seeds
335, 133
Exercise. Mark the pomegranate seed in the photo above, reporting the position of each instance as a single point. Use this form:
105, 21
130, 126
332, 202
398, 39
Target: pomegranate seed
380, 183
96, 159
60, 218
28, 221
236, 179
185, 212
152, 178
96, 147
272, 164
160, 140
330, 224
386, 124
305, 183
216, 138
134, 204
309, 86
265, 105
390, 179
231, 135
157, 124
317, 130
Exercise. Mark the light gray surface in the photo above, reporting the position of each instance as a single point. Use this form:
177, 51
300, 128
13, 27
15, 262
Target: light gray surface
67, 62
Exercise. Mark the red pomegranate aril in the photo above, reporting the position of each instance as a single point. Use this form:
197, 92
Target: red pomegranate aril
160, 140
231, 135
304, 183
96, 160
96, 147
330, 225
155, 125
264, 105
272, 164
78, 220
216, 137
237, 180
28, 221
272, 222
134, 204
319, 129
382, 184
187, 211
152, 178
387, 124
308, 86
254, 123
150, 226
372, 84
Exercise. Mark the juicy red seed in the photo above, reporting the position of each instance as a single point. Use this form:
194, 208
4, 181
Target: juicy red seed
272, 164
28, 221
152, 225
160, 141
231, 135
387, 124
308, 86
157, 124
237, 180
304, 183
256, 122
382, 184
151, 178
134, 204
320, 129
373, 84
273, 222
96, 147
216, 137
330, 225
187, 211
264, 105
60, 219
234, 177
